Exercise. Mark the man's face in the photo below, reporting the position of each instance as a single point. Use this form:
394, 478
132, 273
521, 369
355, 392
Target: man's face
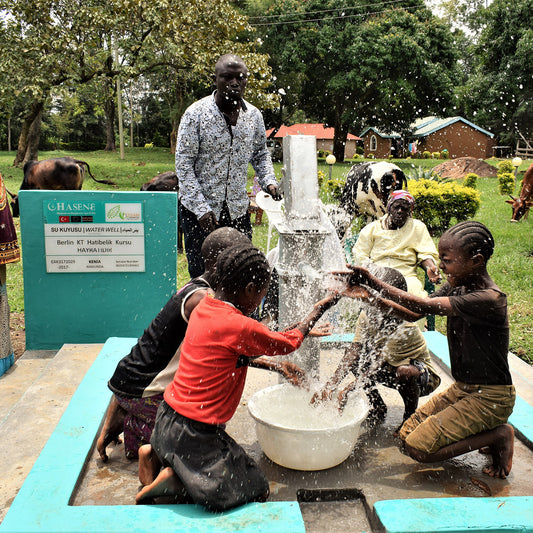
230, 79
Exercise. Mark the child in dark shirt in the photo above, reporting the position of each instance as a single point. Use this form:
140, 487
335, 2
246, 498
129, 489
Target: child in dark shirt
472, 413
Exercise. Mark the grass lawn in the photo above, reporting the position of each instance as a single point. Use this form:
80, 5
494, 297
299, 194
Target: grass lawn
511, 266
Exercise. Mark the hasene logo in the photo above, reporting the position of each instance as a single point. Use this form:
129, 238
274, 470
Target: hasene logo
123, 212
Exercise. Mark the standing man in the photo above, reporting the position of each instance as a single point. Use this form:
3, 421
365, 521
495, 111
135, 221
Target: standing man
218, 137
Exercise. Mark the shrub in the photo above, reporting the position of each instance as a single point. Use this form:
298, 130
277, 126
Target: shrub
321, 177
435, 155
149, 145
506, 183
426, 154
471, 180
505, 167
360, 150
444, 154
332, 187
440, 205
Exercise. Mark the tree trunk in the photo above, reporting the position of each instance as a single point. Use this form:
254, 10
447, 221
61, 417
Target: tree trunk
28, 145
339, 141
110, 124
341, 133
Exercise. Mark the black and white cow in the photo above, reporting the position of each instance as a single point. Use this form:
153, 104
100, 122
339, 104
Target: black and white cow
366, 193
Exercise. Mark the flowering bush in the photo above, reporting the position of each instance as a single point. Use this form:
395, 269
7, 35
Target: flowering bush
471, 180
444, 154
506, 183
438, 204
149, 145
426, 154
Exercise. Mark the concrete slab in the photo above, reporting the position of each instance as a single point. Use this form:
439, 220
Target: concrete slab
34, 395
375, 471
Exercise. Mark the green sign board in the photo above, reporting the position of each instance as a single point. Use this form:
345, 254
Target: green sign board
96, 264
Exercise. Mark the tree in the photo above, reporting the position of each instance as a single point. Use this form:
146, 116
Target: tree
499, 91
363, 63
50, 43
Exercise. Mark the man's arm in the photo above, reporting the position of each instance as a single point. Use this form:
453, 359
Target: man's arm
261, 160
187, 147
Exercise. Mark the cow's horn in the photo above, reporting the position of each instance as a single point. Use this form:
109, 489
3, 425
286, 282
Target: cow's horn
512, 197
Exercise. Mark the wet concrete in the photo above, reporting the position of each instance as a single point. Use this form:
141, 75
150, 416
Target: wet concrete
331, 500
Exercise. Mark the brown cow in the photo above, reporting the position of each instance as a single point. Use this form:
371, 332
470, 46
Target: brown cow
522, 204
167, 181
61, 173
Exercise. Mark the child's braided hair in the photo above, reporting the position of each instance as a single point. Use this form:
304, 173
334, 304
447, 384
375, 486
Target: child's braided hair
239, 265
474, 237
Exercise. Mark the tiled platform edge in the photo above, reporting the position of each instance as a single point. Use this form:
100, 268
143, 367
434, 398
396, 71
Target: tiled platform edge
462, 515
43, 503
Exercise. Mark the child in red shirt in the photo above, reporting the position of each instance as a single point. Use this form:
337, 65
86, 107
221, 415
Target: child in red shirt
200, 461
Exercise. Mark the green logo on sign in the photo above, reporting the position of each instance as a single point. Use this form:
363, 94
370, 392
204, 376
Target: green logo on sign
115, 212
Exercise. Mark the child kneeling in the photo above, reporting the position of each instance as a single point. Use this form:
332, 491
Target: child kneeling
200, 461
385, 350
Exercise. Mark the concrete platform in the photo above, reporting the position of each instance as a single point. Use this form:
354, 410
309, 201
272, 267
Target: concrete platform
35, 393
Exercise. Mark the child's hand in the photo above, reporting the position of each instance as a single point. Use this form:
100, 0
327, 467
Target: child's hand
342, 397
356, 292
322, 331
292, 373
323, 395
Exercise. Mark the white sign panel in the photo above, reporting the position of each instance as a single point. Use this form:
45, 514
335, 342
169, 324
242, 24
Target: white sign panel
116, 245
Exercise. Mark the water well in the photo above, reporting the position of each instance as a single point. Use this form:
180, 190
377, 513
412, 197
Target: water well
301, 240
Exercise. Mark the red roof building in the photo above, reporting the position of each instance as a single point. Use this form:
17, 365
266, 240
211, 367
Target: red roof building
324, 137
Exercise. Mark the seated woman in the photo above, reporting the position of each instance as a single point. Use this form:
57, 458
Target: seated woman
399, 241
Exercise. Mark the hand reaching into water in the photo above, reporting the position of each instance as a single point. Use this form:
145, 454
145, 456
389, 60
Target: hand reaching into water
322, 331
323, 395
292, 373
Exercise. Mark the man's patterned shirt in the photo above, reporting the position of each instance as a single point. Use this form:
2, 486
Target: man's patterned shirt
212, 158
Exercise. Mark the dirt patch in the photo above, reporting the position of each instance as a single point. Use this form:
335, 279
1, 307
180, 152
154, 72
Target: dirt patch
460, 167
18, 333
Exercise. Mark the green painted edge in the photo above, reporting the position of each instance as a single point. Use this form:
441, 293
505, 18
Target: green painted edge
42, 504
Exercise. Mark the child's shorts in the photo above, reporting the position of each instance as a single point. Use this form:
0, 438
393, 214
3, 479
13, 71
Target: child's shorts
215, 471
457, 413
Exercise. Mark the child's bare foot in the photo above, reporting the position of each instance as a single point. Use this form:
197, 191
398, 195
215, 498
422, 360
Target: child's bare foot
149, 464
502, 453
166, 483
112, 428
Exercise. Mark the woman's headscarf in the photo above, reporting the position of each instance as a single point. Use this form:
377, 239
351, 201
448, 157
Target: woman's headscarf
401, 195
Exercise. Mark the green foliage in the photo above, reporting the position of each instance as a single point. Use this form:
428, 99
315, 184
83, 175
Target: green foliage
426, 154
499, 90
505, 167
363, 63
435, 155
444, 154
420, 173
440, 205
471, 180
506, 183
333, 188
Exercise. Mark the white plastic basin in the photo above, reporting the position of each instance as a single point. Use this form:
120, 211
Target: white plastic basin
297, 435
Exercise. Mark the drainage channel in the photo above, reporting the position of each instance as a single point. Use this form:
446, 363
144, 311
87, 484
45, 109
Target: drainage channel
334, 510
